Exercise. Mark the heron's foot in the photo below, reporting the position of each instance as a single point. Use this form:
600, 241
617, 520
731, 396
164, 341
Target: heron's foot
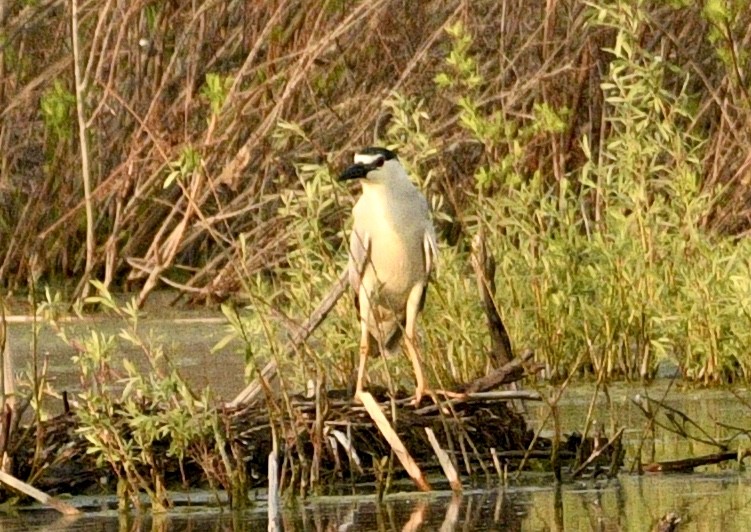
452, 395
420, 392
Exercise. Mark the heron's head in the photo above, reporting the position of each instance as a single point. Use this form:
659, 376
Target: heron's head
374, 165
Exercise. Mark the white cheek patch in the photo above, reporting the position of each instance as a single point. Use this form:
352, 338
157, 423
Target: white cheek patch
366, 158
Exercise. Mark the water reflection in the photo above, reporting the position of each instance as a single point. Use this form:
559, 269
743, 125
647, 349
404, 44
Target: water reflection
716, 502
720, 502
492, 510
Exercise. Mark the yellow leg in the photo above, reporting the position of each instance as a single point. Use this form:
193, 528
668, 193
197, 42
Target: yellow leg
364, 343
410, 329
364, 350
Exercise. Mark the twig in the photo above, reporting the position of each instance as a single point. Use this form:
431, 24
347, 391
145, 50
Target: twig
688, 464
7, 380
349, 449
446, 464
39, 495
510, 372
675, 427
84, 142
597, 452
268, 373
484, 266
274, 499
649, 427
503, 395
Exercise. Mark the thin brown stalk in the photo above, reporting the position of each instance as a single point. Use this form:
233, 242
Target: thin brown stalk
80, 92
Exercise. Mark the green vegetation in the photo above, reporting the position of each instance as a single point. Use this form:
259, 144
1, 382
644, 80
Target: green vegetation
134, 419
56, 106
603, 154
215, 90
608, 269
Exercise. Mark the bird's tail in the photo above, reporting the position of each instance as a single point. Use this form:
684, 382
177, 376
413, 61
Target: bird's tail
392, 338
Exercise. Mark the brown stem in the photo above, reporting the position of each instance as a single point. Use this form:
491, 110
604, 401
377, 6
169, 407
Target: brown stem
80, 91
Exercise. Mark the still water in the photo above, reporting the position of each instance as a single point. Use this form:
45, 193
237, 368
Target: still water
705, 502
713, 498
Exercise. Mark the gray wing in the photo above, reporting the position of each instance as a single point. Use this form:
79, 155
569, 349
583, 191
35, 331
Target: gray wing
430, 243
430, 250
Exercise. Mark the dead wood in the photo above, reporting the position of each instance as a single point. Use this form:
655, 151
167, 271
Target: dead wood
598, 451
689, 464
484, 265
352, 446
18, 485
449, 470
662, 415
675, 421
510, 372
507, 370
268, 373
383, 425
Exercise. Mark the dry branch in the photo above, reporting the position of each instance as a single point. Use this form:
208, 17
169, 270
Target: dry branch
689, 464
274, 497
446, 464
597, 452
268, 373
673, 420
31, 491
510, 372
374, 411
678, 423
484, 265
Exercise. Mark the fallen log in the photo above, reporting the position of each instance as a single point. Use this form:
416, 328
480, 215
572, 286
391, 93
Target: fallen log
689, 464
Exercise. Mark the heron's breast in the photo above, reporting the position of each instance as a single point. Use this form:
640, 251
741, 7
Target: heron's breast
397, 264
396, 226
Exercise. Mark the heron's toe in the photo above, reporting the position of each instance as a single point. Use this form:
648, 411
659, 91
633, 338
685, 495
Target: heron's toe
419, 394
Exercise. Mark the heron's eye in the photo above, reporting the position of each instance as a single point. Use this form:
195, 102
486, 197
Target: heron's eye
379, 162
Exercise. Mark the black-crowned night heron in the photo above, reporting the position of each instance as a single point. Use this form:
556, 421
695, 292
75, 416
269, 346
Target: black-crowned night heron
392, 251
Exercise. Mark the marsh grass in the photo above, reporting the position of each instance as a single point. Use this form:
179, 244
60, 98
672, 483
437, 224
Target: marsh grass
609, 270
133, 421
166, 84
602, 151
